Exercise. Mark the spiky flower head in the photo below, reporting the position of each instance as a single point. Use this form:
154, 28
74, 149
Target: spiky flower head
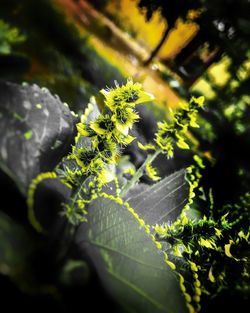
124, 119
85, 158
127, 95
103, 125
106, 149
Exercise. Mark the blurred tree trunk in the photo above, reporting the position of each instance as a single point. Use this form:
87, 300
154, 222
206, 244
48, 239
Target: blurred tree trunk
158, 47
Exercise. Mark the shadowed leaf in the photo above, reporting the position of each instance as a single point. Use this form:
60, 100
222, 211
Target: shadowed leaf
15, 246
36, 131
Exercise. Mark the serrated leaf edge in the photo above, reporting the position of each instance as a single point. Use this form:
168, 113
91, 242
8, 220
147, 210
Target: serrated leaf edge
157, 244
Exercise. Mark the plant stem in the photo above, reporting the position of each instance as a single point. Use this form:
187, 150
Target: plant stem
78, 190
150, 158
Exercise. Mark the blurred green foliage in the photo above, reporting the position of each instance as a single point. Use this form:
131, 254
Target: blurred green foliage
9, 36
59, 57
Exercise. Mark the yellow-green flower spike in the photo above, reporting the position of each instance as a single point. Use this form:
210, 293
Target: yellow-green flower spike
174, 132
124, 119
127, 95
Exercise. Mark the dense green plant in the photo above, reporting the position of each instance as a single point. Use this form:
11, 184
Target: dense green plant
88, 168
157, 248
101, 137
158, 243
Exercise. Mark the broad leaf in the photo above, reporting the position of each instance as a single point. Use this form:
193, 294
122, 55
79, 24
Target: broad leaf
36, 131
161, 202
127, 260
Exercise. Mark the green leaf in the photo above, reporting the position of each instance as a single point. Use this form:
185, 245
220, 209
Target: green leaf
161, 202
36, 131
130, 266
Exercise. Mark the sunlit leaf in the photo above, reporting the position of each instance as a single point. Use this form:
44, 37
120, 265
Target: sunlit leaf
161, 202
130, 266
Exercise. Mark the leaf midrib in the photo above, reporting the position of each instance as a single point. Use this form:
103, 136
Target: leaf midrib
122, 254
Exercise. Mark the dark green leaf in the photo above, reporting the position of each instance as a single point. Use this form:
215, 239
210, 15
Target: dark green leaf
161, 202
15, 246
127, 260
74, 272
48, 198
36, 131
